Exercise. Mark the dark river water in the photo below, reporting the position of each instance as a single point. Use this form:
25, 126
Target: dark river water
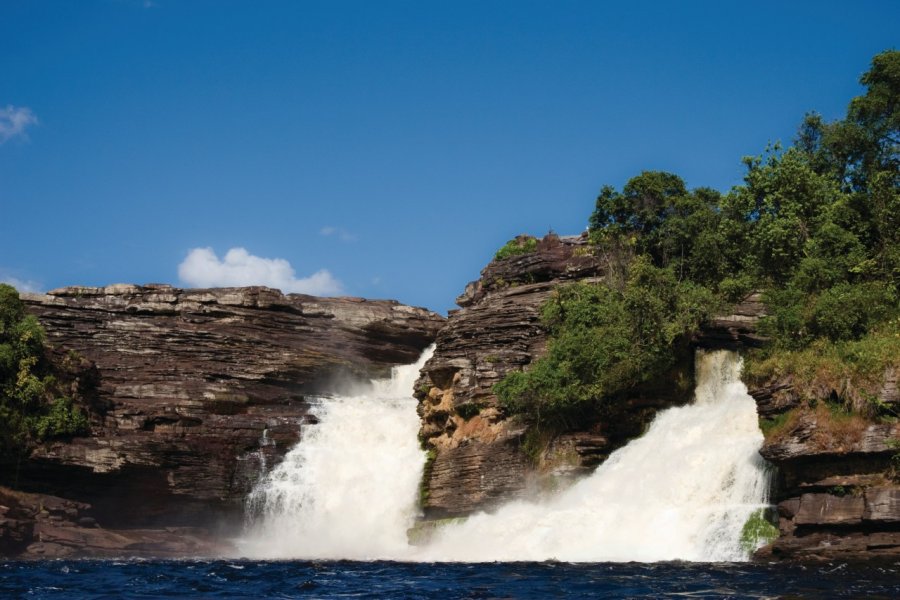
296, 579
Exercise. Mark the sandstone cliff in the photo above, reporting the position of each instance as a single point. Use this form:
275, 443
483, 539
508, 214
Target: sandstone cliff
838, 475
194, 392
836, 489
480, 458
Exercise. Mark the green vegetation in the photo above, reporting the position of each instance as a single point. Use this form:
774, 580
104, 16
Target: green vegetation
757, 531
604, 341
774, 427
523, 244
423, 531
430, 456
853, 368
816, 225
32, 405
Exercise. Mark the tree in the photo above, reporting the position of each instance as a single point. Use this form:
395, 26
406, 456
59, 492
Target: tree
32, 405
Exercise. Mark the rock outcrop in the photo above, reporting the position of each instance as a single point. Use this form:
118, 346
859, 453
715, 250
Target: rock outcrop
44, 526
838, 477
737, 330
836, 488
480, 457
197, 391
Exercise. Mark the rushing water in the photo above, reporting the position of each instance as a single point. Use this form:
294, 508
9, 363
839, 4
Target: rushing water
348, 489
444, 581
682, 491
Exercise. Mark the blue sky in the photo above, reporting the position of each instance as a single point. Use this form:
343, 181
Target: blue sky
379, 149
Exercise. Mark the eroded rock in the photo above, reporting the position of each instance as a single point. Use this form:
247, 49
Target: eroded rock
198, 392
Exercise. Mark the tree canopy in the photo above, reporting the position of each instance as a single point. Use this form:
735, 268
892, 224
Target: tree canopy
816, 225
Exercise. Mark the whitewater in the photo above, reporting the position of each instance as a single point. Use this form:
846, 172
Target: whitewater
682, 491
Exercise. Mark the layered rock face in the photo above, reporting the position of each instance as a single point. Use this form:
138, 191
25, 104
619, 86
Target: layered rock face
197, 391
481, 458
836, 489
43, 526
838, 479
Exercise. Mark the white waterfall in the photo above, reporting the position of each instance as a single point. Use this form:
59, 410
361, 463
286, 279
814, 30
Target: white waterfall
349, 488
682, 491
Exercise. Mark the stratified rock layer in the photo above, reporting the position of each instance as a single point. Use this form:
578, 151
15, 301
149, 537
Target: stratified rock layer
199, 390
836, 490
838, 478
482, 458
44, 526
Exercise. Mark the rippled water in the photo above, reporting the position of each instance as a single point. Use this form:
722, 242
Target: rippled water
446, 581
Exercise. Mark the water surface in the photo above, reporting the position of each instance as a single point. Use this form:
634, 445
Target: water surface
444, 581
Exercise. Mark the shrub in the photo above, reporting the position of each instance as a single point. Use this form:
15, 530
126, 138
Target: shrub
523, 244
63, 420
604, 341
32, 405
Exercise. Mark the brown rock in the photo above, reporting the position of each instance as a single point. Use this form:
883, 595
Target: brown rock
199, 391
736, 330
479, 456
477, 476
825, 509
882, 505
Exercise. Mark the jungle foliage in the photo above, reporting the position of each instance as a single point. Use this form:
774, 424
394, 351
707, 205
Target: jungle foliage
815, 225
33, 405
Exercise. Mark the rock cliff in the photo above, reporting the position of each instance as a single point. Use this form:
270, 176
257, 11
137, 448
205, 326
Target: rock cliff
838, 475
479, 457
836, 488
195, 391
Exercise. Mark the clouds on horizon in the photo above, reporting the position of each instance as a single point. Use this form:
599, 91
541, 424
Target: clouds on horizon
21, 284
14, 120
202, 268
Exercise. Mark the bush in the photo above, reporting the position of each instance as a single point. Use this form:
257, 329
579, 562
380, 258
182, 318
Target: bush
604, 341
63, 420
523, 244
852, 369
32, 402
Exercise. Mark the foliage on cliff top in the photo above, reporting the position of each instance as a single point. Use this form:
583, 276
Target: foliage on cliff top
817, 225
853, 369
604, 341
522, 244
32, 404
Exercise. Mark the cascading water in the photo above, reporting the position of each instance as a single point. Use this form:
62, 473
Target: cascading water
682, 491
349, 488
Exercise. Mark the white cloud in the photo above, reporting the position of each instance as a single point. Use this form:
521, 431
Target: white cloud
14, 120
202, 268
341, 234
22, 285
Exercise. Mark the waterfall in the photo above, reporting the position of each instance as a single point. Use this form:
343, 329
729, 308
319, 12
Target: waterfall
682, 491
349, 488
